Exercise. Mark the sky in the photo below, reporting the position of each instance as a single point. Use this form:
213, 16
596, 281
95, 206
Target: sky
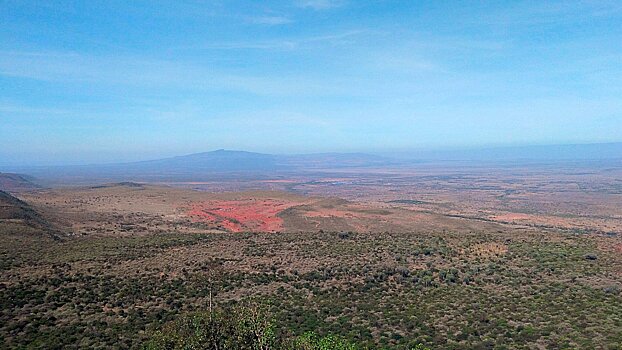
105, 81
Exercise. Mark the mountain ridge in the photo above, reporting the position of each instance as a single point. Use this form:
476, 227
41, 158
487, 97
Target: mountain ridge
12, 182
234, 164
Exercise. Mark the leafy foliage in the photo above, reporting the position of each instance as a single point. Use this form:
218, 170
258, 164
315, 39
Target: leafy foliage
311, 341
237, 329
234, 329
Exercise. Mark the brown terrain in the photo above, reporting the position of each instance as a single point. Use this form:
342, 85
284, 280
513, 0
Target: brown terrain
131, 208
575, 198
508, 258
17, 182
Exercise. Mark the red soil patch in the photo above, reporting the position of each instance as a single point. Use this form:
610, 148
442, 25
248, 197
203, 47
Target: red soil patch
258, 215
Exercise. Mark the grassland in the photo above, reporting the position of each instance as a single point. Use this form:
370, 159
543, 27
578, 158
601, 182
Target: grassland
509, 288
110, 266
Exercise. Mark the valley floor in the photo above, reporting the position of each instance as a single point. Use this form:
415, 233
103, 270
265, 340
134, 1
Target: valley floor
107, 266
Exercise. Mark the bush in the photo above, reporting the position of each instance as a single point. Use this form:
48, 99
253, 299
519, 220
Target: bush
311, 341
240, 328
237, 329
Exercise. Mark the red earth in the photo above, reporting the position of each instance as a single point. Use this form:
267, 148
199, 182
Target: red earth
242, 215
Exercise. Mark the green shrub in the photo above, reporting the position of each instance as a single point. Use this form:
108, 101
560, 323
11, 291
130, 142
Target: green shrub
311, 341
239, 328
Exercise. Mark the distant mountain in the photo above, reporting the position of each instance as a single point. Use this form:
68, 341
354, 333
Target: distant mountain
240, 165
17, 182
215, 161
216, 164
241, 161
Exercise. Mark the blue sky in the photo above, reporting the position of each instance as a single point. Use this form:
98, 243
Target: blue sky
100, 81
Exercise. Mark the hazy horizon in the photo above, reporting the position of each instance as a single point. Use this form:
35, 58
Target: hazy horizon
86, 82
554, 152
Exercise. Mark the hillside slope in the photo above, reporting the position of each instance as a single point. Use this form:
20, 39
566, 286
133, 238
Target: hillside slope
14, 210
17, 182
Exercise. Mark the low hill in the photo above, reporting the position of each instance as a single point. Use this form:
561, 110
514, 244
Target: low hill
14, 210
17, 182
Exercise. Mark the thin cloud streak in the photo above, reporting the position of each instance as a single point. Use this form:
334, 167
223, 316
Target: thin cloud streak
282, 44
320, 5
270, 20
145, 73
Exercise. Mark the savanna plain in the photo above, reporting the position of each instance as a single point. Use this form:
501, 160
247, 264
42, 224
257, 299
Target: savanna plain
441, 257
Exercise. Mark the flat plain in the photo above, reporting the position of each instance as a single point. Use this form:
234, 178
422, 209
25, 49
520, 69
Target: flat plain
452, 258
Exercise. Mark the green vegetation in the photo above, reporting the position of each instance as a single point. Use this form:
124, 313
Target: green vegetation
240, 328
235, 328
502, 290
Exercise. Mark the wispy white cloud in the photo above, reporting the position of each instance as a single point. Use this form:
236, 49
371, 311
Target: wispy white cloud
145, 73
403, 64
270, 20
336, 36
273, 119
346, 37
8, 108
244, 45
320, 4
